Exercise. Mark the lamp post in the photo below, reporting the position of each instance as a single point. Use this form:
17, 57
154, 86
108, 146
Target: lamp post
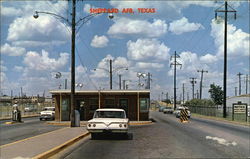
73, 25
139, 75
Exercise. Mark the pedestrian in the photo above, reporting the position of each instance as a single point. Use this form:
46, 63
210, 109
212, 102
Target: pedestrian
16, 113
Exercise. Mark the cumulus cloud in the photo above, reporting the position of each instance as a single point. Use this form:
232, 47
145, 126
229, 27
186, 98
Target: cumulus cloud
12, 50
10, 11
146, 65
237, 40
99, 41
18, 68
182, 26
140, 27
42, 61
147, 49
43, 29
208, 58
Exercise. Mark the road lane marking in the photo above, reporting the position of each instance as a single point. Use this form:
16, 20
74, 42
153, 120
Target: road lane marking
31, 137
221, 141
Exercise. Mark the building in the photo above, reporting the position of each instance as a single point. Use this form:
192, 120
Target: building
242, 98
134, 102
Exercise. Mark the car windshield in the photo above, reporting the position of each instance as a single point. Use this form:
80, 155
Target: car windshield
109, 114
51, 109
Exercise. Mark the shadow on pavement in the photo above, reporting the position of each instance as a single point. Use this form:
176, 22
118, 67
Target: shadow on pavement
109, 136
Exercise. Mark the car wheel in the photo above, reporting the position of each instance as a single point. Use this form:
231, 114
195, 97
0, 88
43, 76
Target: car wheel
41, 119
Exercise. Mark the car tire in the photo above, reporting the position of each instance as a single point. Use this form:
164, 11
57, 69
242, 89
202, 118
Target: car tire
41, 119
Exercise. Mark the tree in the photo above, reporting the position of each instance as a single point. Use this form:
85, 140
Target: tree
200, 102
216, 94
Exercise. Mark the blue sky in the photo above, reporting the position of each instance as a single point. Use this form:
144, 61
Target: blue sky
34, 50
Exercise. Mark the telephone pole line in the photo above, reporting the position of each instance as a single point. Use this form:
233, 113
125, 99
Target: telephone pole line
193, 81
235, 91
183, 92
201, 71
175, 63
148, 80
225, 53
246, 83
239, 74
120, 81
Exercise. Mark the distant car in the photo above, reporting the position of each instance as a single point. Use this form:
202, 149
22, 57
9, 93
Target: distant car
108, 121
168, 110
47, 113
161, 108
177, 112
29, 109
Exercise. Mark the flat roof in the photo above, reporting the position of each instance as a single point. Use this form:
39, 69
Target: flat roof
99, 91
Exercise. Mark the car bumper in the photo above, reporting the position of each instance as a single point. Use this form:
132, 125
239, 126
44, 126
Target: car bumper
108, 130
46, 117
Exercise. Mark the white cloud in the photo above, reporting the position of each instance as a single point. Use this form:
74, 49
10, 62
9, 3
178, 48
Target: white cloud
99, 41
208, 58
10, 11
182, 26
145, 65
12, 50
147, 49
237, 40
18, 68
2, 67
36, 61
140, 27
45, 28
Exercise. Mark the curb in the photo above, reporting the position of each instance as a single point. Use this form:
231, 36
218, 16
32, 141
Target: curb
142, 123
28, 116
59, 148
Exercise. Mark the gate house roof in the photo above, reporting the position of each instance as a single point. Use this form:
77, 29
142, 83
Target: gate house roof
116, 92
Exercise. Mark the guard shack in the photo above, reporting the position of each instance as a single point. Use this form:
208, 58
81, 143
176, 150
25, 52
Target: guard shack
134, 102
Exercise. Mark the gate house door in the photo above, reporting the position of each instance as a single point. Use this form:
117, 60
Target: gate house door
124, 105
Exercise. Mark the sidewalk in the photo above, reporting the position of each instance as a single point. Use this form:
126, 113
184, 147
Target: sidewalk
40, 146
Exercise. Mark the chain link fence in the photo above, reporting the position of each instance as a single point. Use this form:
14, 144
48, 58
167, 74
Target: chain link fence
27, 109
217, 111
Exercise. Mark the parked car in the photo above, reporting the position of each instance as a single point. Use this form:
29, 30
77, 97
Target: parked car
168, 110
177, 112
108, 121
47, 113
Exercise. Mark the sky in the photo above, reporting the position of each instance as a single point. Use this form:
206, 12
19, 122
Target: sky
33, 51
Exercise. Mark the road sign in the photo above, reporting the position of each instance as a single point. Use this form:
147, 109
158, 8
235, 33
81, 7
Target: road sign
240, 109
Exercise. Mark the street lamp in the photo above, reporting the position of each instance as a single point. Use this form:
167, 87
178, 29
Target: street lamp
73, 25
139, 75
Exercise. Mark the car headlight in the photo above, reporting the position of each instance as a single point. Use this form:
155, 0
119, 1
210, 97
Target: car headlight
89, 125
120, 125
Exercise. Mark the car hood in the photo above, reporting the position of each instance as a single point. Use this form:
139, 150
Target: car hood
108, 120
47, 112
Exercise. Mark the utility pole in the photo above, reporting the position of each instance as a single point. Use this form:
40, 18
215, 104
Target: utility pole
187, 96
175, 63
197, 92
193, 81
246, 83
235, 91
123, 81
239, 74
148, 80
72, 95
167, 95
201, 71
65, 83
110, 73
120, 82
225, 54
183, 92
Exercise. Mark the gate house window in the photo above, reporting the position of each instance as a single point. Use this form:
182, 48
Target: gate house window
109, 103
93, 104
144, 104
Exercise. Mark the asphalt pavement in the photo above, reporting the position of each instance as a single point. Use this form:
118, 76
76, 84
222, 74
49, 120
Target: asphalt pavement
168, 138
30, 127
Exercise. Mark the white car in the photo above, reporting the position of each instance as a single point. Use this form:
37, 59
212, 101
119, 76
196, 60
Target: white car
168, 110
47, 113
177, 112
108, 121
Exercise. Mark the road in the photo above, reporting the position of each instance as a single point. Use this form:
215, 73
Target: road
30, 127
168, 138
